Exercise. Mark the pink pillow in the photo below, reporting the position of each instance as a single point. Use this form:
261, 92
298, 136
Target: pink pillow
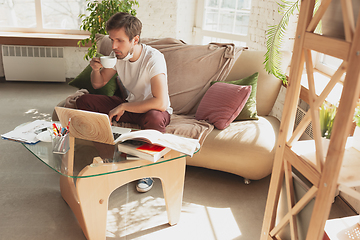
222, 103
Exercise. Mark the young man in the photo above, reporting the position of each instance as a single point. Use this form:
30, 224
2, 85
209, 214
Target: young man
142, 70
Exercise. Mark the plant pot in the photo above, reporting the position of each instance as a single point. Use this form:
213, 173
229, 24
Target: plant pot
325, 144
332, 21
356, 138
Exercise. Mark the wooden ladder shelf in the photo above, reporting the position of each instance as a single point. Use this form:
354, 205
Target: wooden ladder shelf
324, 171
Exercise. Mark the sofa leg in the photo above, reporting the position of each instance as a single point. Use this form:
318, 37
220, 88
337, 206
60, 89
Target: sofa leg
247, 181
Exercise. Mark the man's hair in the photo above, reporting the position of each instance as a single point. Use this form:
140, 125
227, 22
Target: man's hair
131, 24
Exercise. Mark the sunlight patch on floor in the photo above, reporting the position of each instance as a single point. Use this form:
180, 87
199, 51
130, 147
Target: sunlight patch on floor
223, 223
147, 219
136, 216
35, 114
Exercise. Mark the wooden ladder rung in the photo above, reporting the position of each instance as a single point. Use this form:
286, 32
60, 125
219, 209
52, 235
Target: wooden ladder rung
306, 168
330, 46
295, 210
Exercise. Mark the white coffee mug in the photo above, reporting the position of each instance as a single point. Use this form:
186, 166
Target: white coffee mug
108, 61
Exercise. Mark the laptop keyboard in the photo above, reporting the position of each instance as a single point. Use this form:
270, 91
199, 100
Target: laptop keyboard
116, 135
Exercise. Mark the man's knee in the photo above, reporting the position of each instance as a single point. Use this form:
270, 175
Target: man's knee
156, 120
82, 102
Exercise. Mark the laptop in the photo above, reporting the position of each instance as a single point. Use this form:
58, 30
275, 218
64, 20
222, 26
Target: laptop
91, 126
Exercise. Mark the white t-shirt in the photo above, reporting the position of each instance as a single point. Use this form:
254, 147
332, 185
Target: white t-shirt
135, 76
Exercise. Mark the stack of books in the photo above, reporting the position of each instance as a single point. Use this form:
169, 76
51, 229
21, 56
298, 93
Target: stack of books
152, 145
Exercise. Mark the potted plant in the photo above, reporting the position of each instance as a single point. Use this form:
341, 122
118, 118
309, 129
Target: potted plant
327, 114
99, 13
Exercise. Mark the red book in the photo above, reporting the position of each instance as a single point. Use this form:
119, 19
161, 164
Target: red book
143, 150
150, 148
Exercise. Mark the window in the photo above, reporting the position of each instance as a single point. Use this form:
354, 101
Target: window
49, 16
228, 16
222, 21
327, 64
325, 67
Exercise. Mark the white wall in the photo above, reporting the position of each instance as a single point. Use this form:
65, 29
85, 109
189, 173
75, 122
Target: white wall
158, 18
167, 18
264, 13
186, 11
74, 61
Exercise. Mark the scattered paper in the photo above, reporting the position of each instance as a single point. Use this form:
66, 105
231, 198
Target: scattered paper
28, 132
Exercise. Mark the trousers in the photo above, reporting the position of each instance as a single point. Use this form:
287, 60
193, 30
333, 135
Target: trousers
153, 119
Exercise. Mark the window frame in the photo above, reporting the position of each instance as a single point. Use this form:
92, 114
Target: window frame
39, 29
320, 66
199, 32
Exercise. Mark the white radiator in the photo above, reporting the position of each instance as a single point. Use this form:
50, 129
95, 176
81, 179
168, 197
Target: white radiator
33, 63
308, 134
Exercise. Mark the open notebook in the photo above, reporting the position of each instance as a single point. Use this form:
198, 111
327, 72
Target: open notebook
91, 126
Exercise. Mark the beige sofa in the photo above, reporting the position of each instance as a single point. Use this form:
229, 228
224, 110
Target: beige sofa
245, 148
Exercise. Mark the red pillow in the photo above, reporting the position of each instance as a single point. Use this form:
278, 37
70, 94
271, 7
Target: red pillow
222, 103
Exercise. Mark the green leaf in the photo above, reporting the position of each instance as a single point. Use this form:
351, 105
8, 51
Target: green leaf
327, 114
275, 36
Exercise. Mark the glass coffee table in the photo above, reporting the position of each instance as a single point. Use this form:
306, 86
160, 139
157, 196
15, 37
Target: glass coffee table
86, 180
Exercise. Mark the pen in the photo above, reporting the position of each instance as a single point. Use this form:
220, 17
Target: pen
56, 130
40, 130
67, 127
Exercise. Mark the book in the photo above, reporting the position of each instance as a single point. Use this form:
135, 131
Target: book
178, 143
142, 150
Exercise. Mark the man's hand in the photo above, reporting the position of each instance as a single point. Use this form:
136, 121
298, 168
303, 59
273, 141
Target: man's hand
100, 78
95, 64
118, 112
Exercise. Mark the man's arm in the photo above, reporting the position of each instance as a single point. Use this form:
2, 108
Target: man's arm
159, 100
99, 75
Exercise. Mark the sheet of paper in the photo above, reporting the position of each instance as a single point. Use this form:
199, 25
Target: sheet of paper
27, 132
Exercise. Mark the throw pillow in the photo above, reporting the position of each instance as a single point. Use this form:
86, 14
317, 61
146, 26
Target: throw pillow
83, 81
249, 111
222, 103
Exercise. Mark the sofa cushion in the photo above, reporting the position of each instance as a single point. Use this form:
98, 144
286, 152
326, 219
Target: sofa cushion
222, 103
249, 111
83, 81
245, 148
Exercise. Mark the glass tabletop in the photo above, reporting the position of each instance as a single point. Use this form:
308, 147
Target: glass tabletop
86, 161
